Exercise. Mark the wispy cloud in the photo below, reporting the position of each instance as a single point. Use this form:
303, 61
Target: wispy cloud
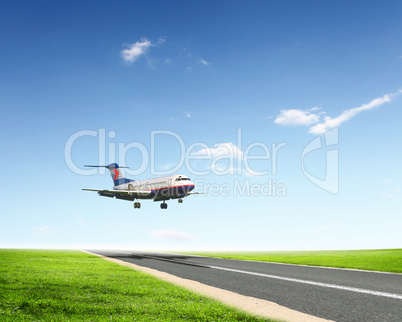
222, 168
311, 116
151, 62
161, 40
330, 123
77, 215
171, 234
204, 62
41, 231
188, 114
135, 51
391, 190
168, 166
222, 149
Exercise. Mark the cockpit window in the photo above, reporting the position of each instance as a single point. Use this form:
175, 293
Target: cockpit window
180, 179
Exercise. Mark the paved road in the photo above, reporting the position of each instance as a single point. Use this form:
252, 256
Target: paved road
335, 294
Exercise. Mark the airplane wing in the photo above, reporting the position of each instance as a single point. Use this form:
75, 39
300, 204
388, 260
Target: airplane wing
124, 194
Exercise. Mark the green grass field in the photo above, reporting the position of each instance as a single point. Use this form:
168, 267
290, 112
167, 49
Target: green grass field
383, 260
39, 285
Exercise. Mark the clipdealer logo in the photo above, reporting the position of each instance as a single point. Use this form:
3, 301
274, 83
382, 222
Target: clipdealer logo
330, 183
271, 188
220, 159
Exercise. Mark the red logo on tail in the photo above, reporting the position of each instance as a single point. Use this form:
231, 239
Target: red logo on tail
116, 174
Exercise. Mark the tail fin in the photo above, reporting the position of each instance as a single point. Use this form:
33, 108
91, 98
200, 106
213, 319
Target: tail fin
117, 176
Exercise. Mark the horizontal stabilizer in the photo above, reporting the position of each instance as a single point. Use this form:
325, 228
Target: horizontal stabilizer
103, 166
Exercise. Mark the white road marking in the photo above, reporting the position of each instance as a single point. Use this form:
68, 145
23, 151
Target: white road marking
340, 287
287, 264
289, 279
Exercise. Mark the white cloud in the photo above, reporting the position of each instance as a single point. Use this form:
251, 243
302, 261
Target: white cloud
307, 117
168, 166
43, 230
151, 62
222, 149
392, 191
188, 114
297, 117
161, 40
219, 168
330, 123
135, 51
204, 62
171, 234
223, 156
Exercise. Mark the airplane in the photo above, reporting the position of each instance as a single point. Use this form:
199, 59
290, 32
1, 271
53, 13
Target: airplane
158, 189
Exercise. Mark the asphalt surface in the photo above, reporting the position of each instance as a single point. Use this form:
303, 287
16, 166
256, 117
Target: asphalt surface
335, 294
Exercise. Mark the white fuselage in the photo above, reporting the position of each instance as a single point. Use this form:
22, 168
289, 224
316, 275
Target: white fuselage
175, 186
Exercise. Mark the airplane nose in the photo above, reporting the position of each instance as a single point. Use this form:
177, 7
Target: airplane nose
191, 186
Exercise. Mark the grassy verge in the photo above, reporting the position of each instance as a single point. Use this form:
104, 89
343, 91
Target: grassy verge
384, 260
71, 285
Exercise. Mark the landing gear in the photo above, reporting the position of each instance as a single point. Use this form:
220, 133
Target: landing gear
180, 200
163, 205
137, 205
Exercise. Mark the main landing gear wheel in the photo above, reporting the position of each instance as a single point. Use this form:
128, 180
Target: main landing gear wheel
164, 205
137, 205
180, 200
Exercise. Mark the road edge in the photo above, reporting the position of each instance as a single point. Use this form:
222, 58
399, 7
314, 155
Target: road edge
252, 305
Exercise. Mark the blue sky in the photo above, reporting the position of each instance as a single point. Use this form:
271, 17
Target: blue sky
228, 79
